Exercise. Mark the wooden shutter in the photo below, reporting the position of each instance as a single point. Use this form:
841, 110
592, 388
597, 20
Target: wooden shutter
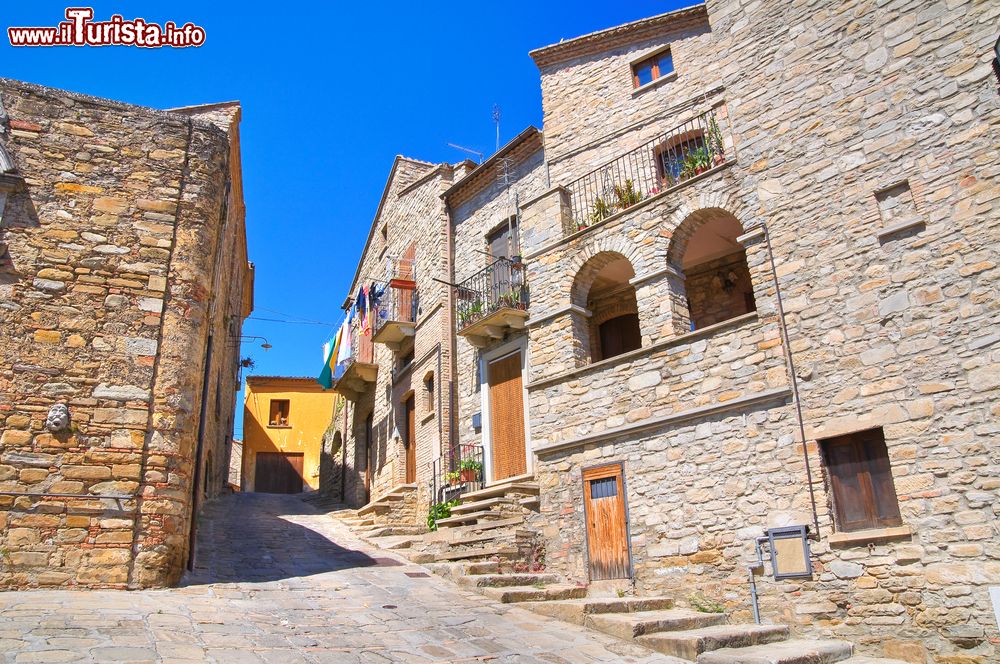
507, 417
861, 481
504, 241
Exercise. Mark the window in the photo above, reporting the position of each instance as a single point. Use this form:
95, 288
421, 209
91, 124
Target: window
429, 393
619, 335
652, 68
503, 241
861, 481
677, 159
279, 413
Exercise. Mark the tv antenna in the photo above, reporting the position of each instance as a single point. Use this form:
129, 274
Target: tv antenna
469, 150
496, 121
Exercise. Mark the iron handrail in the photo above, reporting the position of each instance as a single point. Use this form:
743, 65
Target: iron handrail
499, 285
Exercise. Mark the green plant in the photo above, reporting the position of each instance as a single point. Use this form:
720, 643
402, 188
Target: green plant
452, 477
470, 464
695, 161
627, 195
601, 210
620, 593
715, 137
705, 605
439, 511
537, 585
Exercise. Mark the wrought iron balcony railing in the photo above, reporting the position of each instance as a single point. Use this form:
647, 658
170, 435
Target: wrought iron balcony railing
669, 159
394, 310
457, 471
497, 287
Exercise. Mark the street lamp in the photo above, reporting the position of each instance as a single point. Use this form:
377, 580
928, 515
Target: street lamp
266, 346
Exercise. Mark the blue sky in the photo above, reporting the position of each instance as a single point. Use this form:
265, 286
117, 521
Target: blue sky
330, 95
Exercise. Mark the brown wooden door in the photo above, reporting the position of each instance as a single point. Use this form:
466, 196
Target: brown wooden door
607, 525
507, 417
278, 472
411, 440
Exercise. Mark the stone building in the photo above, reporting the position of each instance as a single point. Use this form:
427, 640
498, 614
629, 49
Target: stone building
756, 287
124, 282
284, 419
397, 379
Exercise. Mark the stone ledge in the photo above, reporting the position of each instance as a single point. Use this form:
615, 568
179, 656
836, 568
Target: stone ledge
868, 536
673, 418
558, 312
889, 231
631, 355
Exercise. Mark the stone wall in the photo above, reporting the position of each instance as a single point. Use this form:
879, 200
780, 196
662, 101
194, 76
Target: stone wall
478, 207
411, 211
110, 283
827, 107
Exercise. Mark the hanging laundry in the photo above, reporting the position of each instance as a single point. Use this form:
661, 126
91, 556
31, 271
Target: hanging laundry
366, 323
326, 375
344, 354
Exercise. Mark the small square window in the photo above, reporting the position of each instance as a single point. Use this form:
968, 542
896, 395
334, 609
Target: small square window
648, 70
860, 479
279, 413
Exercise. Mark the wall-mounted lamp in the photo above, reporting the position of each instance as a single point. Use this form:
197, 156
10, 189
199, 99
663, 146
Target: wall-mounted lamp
266, 346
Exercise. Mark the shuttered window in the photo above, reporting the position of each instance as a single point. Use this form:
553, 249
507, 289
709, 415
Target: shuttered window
504, 241
861, 481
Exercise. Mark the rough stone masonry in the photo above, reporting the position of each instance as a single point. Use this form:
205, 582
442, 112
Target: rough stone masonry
123, 282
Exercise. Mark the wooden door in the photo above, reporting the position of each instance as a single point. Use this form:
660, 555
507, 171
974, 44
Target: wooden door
607, 523
411, 440
278, 472
507, 417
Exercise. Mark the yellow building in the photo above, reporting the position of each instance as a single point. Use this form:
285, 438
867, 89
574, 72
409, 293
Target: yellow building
284, 419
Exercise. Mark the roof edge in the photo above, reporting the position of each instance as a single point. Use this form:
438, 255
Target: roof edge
570, 48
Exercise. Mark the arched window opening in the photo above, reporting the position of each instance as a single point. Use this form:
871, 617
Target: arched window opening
614, 322
716, 276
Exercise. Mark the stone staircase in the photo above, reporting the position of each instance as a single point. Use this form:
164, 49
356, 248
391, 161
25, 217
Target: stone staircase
482, 548
395, 509
654, 622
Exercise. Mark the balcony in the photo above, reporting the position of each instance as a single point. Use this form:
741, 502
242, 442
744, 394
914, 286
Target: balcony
656, 166
358, 372
394, 311
492, 301
459, 470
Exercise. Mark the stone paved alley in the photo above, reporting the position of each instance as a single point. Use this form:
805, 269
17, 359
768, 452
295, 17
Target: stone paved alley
279, 581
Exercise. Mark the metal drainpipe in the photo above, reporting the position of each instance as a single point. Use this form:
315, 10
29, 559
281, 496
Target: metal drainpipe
792, 377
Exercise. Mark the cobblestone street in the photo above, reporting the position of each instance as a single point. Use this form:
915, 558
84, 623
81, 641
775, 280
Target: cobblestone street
278, 581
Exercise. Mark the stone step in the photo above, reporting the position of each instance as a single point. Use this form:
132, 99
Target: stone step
391, 541
531, 502
418, 557
358, 523
576, 610
466, 554
480, 505
864, 659
631, 625
514, 594
453, 532
688, 644
520, 486
457, 569
458, 519
796, 651
507, 580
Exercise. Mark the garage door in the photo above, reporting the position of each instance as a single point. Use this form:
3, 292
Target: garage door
278, 473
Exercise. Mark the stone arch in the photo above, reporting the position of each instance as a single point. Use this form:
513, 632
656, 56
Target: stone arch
607, 318
692, 205
713, 281
587, 262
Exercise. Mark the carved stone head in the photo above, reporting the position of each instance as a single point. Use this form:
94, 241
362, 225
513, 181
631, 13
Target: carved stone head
58, 418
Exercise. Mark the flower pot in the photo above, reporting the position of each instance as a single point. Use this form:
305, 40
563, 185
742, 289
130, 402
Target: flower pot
719, 159
700, 169
469, 475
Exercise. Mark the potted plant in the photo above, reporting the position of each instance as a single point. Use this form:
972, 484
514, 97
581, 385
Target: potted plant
601, 211
470, 469
627, 195
715, 143
452, 477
